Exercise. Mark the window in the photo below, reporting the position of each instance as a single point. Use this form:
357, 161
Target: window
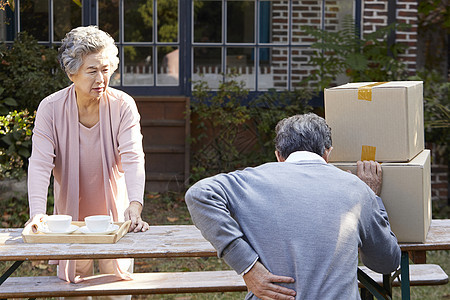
259, 40
166, 44
147, 34
35, 17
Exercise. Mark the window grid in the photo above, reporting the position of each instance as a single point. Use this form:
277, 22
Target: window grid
185, 40
256, 45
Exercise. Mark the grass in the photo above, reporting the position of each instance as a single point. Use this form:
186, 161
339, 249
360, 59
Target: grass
169, 208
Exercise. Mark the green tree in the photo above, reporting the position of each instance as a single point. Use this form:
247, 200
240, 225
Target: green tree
28, 73
433, 35
366, 58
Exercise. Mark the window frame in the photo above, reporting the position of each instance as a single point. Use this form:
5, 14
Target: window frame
89, 16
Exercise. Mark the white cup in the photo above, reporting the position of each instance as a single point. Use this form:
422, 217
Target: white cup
98, 223
58, 223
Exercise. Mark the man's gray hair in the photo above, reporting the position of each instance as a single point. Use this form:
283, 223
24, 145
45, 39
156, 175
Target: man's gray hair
82, 41
307, 132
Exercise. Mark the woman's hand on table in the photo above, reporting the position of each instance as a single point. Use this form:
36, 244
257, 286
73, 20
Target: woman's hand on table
133, 213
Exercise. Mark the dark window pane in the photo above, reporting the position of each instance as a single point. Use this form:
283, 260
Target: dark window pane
274, 21
34, 18
66, 17
115, 78
7, 24
167, 21
208, 65
168, 66
138, 65
336, 13
241, 61
138, 21
108, 17
207, 21
240, 21
265, 74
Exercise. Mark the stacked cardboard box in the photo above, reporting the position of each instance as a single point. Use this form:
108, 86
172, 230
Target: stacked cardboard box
384, 122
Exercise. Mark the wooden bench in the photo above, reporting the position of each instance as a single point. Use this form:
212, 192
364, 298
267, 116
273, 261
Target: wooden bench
170, 283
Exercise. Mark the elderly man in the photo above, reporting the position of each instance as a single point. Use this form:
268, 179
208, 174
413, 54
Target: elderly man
293, 227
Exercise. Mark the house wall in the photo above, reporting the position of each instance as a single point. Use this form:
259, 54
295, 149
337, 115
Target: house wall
165, 125
375, 15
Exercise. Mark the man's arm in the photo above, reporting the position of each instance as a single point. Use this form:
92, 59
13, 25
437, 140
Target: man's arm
208, 206
379, 248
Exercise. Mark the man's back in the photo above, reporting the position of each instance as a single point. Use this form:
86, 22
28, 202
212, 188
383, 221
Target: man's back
304, 220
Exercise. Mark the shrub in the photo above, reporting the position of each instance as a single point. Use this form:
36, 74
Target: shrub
220, 116
367, 58
267, 110
436, 110
231, 134
28, 73
15, 143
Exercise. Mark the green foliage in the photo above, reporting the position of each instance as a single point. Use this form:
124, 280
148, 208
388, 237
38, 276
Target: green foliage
223, 121
220, 116
434, 12
14, 212
28, 73
267, 110
15, 143
6, 103
436, 110
367, 58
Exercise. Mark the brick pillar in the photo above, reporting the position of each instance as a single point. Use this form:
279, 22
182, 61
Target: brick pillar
439, 175
375, 15
407, 14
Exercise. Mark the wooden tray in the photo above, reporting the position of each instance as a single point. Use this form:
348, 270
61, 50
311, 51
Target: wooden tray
76, 237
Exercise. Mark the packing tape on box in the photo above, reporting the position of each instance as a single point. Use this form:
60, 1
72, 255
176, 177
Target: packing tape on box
368, 152
365, 92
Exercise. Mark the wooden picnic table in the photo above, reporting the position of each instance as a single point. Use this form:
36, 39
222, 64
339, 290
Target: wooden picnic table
438, 238
172, 241
158, 241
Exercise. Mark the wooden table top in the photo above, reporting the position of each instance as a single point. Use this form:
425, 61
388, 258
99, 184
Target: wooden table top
438, 238
158, 242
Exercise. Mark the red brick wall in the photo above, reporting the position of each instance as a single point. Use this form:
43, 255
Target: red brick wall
375, 15
439, 175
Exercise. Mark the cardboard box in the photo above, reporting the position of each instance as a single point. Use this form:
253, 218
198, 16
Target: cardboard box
384, 118
406, 194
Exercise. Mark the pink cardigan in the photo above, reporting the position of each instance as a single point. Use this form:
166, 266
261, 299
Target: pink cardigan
55, 148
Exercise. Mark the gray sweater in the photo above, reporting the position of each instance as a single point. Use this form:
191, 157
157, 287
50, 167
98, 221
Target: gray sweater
305, 220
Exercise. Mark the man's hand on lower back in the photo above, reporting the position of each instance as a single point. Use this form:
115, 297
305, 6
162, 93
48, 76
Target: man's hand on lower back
262, 283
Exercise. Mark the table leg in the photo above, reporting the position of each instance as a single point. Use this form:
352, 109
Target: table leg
418, 257
365, 294
10, 271
387, 284
405, 276
374, 288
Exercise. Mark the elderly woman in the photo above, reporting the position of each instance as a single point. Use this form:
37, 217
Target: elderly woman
89, 135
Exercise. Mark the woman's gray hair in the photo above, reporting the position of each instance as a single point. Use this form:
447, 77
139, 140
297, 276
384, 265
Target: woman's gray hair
82, 41
307, 132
